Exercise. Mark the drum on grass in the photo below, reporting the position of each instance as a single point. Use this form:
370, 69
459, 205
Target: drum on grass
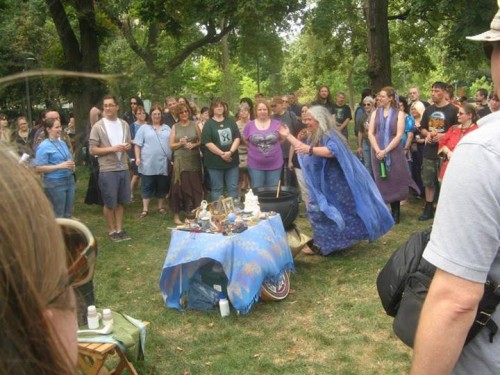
278, 291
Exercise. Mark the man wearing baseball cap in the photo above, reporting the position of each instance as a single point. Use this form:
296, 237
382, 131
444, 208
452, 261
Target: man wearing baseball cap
465, 248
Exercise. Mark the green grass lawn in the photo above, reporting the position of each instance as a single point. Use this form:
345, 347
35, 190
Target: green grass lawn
331, 323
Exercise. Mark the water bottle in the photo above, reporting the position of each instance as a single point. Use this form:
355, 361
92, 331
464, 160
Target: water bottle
92, 317
107, 317
383, 168
223, 305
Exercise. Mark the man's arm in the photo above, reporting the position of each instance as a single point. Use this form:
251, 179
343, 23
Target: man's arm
447, 315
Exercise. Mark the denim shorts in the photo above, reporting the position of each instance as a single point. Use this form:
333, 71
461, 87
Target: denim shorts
115, 188
155, 186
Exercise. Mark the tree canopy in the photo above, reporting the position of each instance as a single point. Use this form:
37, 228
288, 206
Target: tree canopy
206, 49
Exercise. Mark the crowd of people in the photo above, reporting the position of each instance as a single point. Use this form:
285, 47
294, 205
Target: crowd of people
180, 156
345, 195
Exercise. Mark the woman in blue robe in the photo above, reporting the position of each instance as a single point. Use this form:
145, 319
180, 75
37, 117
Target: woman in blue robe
345, 205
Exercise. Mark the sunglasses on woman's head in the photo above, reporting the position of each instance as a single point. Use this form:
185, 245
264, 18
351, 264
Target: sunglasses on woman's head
81, 253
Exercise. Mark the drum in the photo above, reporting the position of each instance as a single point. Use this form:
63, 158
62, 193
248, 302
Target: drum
278, 291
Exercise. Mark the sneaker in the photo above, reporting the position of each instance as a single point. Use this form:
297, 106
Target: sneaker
115, 237
123, 236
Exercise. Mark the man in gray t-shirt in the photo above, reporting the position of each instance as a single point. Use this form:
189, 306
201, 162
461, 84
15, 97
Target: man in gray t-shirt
465, 248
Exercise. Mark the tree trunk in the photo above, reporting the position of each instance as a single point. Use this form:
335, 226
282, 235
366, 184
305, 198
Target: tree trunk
379, 52
350, 85
81, 55
229, 86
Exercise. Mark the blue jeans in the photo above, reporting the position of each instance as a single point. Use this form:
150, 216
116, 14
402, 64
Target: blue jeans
260, 178
61, 193
367, 155
221, 177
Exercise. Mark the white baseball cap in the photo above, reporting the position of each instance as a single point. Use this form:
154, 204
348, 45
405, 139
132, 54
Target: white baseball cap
493, 34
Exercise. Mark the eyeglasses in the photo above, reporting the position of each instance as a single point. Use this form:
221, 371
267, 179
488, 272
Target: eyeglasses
81, 253
133, 103
367, 105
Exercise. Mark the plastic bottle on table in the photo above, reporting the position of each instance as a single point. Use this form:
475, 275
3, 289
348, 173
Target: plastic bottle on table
107, 317
223, 305
92, 317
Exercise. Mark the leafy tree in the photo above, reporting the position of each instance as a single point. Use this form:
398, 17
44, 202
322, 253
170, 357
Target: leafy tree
165, 33
81, 52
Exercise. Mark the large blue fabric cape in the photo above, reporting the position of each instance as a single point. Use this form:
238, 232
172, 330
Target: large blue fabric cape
369, 203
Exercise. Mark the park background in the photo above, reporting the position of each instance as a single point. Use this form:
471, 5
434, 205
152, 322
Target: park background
232, 49
332, 322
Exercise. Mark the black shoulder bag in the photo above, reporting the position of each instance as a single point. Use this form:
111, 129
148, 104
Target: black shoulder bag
404, 282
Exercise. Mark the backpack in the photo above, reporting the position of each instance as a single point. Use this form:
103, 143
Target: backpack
404, 281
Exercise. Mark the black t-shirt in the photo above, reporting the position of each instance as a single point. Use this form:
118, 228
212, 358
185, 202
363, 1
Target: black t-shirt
296, 108
438, 119
329, 106
483, 111
342, 112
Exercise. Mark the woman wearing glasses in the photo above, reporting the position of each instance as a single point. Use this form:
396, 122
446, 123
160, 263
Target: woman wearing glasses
23, 137
186, 193
38, 305
54, 161
467, 117
364, 150
152, 156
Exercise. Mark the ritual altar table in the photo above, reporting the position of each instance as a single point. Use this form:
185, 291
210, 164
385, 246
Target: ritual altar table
259, 254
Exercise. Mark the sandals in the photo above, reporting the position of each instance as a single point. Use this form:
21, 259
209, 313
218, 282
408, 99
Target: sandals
311, 248
143, 214
162, 211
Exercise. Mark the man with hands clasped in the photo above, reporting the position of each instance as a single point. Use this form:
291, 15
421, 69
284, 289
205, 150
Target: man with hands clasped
109, 141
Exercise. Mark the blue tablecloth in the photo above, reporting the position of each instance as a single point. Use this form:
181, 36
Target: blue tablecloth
259, 254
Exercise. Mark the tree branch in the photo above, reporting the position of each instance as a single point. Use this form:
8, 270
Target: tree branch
211, 37
401, 16
69, 41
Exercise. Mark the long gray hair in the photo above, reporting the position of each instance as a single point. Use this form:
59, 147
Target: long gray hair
326, 124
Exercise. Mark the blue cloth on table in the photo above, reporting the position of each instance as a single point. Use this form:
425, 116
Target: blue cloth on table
259, 254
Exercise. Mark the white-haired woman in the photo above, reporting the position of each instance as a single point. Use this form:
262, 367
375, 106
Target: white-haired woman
345, 205
361, 129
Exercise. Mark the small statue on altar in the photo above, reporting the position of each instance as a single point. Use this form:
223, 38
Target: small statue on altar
252, 203
205, 216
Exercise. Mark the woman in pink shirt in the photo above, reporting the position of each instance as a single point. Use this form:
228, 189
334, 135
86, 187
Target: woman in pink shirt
265, 158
